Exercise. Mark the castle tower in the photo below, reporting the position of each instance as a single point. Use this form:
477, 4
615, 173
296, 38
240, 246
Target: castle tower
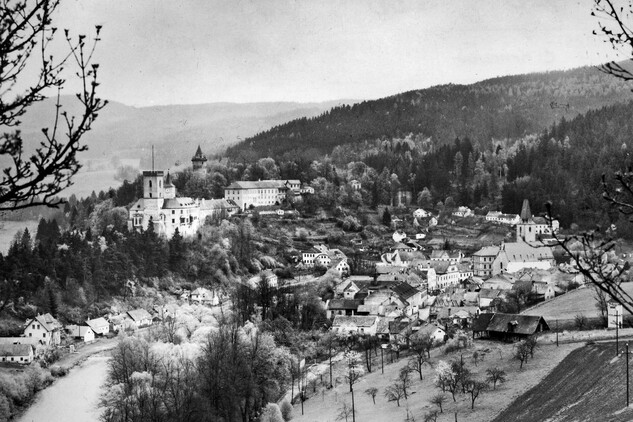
198, 161
170, 189
526, 229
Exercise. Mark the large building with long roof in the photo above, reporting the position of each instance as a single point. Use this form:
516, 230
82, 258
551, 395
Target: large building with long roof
247, 194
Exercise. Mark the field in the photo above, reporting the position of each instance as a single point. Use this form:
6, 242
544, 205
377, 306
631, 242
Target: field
8, 229
588, 385
324, 405
567, 306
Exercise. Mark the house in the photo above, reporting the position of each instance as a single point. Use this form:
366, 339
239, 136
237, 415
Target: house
498, 217
461, 316
403, 198
498, 282
121, 322
436, 333
205, 296
140, 317
510, 327
544, 291
342, 307
358, 324
18, 353
398, 236
99, 326
355, 184
82, 332
421, 213
44, 327
463, 212
483, 259
447, 274
513, 257
487, 296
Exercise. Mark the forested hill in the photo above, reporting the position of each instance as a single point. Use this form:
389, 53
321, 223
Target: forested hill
504, 107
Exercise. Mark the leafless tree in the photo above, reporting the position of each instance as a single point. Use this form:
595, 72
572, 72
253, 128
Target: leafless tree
495, 375
475, 388
26, 36
394, 392
345, 411
372, 391
521, 352
431, 416
613, 24
438, 400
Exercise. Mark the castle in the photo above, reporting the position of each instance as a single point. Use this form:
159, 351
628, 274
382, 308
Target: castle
166, 212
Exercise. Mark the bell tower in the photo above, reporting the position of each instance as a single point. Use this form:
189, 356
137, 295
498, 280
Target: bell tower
198, 161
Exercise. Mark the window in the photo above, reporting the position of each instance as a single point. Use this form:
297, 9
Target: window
30, 334
44, 335
150, 183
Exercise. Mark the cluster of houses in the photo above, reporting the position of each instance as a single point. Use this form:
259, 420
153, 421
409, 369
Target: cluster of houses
417, 291
321, 255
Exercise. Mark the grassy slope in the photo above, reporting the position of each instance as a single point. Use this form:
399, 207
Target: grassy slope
324, 405
588, 385
567, 306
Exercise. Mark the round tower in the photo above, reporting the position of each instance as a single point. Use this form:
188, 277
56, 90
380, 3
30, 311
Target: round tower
198, 161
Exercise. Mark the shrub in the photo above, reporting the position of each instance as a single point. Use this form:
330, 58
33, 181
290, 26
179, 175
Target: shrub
59, 371
286, 410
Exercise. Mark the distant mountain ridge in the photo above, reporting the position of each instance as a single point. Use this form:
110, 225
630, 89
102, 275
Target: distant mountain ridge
123, 131
502, 107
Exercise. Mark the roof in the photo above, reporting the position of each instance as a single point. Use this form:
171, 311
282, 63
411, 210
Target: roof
429, 329
47, 322
489, 293
481, 321
357, 320
78, 330
261, 184
181, 202
351, 304
440, 267
523, 324
524, 252
15, 349
404, 290
526, 214
217, 204
199, 155
97, 323
487, 251
139, 314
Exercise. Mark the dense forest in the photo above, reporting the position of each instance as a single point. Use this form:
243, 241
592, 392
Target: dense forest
505, 107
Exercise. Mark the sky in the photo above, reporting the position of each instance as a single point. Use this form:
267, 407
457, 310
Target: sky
156, 52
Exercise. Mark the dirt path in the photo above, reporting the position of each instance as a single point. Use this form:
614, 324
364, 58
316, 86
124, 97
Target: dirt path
81, 354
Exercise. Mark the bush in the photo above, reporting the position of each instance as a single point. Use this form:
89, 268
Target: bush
286, 410
580, 322
59, 371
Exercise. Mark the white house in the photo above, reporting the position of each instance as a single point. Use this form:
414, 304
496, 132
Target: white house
436, 333
82, 332
140, 317
463, 212
99, 326
346, 324
18, 353
421, 213
45, 328
204, 296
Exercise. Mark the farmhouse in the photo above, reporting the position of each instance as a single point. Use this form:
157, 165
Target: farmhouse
45, 328
18, 353
508, 327
140, 317
346, 324
82, 332
99, 325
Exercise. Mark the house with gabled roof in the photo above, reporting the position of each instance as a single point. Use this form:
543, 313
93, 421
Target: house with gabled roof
82, 332
483, 260
99, 325
140, 317
358, 324
45, 328
510, 327
17, 353
342, 307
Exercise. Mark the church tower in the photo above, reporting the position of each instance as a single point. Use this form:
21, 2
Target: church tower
198, 161
526, 229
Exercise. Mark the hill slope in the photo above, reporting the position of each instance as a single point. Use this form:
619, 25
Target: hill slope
588, 385
504, 107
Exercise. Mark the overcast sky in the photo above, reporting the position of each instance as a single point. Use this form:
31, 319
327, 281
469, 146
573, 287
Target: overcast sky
199, 51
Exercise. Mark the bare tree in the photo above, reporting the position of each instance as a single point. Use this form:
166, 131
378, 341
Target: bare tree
532, 344
404, 378
345, 411
26, 37
438, 400
394, 392
613, 17
475, 388
495, 375
431, 416
521, 352
372, 391
601, 304
354, 372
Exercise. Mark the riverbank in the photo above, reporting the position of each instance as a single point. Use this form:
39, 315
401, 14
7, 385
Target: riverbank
73, 398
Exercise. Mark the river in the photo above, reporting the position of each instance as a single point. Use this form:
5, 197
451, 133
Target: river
72, 398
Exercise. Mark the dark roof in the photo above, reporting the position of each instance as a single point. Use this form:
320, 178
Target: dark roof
404, 290
15, 349
481, 321
168, 180
139, 314
526, 214
344, 304
199, 155
523, 324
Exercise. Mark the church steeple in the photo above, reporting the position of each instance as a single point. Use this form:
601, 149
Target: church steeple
526, 213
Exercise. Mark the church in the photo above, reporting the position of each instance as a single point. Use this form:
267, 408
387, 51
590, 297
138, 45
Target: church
166, 212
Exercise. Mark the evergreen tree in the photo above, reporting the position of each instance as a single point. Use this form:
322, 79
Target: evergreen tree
386, 217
